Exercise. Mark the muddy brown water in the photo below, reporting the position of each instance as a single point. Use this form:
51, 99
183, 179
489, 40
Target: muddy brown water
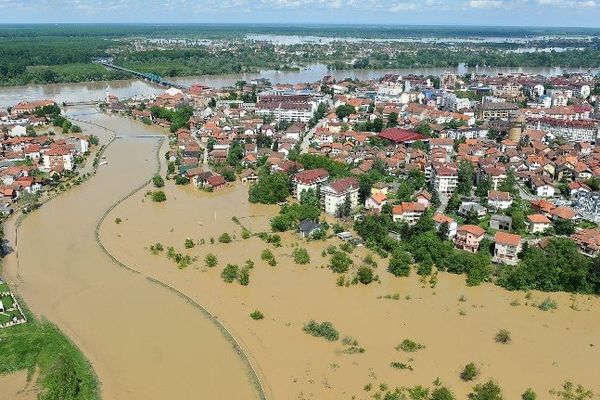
547, 347
144, 341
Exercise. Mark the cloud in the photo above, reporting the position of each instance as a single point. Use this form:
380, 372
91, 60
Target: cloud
487, 4
568, 3
405, 6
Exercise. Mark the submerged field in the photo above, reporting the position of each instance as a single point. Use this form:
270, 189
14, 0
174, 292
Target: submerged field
455, 324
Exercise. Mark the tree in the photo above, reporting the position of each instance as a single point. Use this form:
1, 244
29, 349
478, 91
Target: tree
158, 181
564, 227
364, 275
392, 119
270, 189
340, 262
529, 395
441, 393
570, 391
301, 256
469, 372
159, 196
405, 190
345, 110
400, 263
230, 273
466, 175
211, 260
484, 186
509, 184
424, 129
486, 391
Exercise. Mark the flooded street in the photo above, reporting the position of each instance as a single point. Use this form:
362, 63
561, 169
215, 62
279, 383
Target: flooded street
143, 340
456, 324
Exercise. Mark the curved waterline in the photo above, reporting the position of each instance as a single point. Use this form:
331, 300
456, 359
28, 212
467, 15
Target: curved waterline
243, 354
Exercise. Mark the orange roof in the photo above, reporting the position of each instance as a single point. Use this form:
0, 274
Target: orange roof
507, 238
441, 218
379, 197
472, 229
538, 219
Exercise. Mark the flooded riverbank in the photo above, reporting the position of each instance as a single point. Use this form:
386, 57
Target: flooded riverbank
96, 91
143, 340
455, 323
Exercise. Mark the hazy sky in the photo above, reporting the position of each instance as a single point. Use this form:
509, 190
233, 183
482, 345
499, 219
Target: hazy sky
462, 12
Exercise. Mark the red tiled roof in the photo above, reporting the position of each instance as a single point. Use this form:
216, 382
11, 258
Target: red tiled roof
507, 238
398, 135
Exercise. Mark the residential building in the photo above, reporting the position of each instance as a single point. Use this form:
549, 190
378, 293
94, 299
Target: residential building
376, 201
335, 195
498, 200
506, 248
409, 212
309, 179
440, 219
468, 237
445, 179
538, 223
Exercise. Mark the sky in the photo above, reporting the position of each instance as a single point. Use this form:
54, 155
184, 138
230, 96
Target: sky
572, 13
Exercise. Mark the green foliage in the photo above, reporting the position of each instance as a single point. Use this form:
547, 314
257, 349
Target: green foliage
244, 277
257, 315
400, 263
211, 260
301, 256
340, 262
230, 273
409, 346
570, 391
156, 248
441, 393
39, 347
469, 372
225, 238
178, 118
557, 267
548, 304
268, 256
503, 336
270, 189
324, 329
364, 275
158, 196
529, 395
345, 110
313, 161
486, 391
158, 181
118, 220
189, 243
400, 365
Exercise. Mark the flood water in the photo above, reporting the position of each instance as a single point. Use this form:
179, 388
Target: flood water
455, 323
94, 91
144, 341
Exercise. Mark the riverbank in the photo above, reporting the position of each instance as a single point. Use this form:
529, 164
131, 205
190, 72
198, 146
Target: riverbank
143, 341
456, 324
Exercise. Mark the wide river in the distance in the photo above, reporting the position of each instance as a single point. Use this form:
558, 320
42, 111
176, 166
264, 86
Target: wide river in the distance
92, 91
144, 341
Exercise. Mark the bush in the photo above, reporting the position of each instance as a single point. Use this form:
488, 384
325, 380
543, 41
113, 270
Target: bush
211, 260
189, 243
441, 393
570, 391
156, 248
244, 276
486, 391
400, 264
118, 220
340, 262
324, 329
301, 256
337, 228
159, 196
399, 365
470, 372
364, 275
503, 336
268, 256
158, 181
230, 273
257, 315
225, 238
529, 395
409, 346
548, 304
245, 233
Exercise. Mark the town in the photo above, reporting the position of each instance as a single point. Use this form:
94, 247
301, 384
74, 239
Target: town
510, 157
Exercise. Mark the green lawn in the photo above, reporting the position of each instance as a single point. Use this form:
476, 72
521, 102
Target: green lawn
4, 288
8, 302
39, 346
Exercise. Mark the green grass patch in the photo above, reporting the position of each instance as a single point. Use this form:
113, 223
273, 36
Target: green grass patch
38, 345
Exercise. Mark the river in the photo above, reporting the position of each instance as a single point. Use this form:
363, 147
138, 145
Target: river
92, 91
144, 341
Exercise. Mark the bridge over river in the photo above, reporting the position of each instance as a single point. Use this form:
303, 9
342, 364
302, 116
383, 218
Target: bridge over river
144, 75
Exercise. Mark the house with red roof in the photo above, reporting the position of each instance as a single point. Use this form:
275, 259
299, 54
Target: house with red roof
506, 247
309, 179
468, 237
408, 211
